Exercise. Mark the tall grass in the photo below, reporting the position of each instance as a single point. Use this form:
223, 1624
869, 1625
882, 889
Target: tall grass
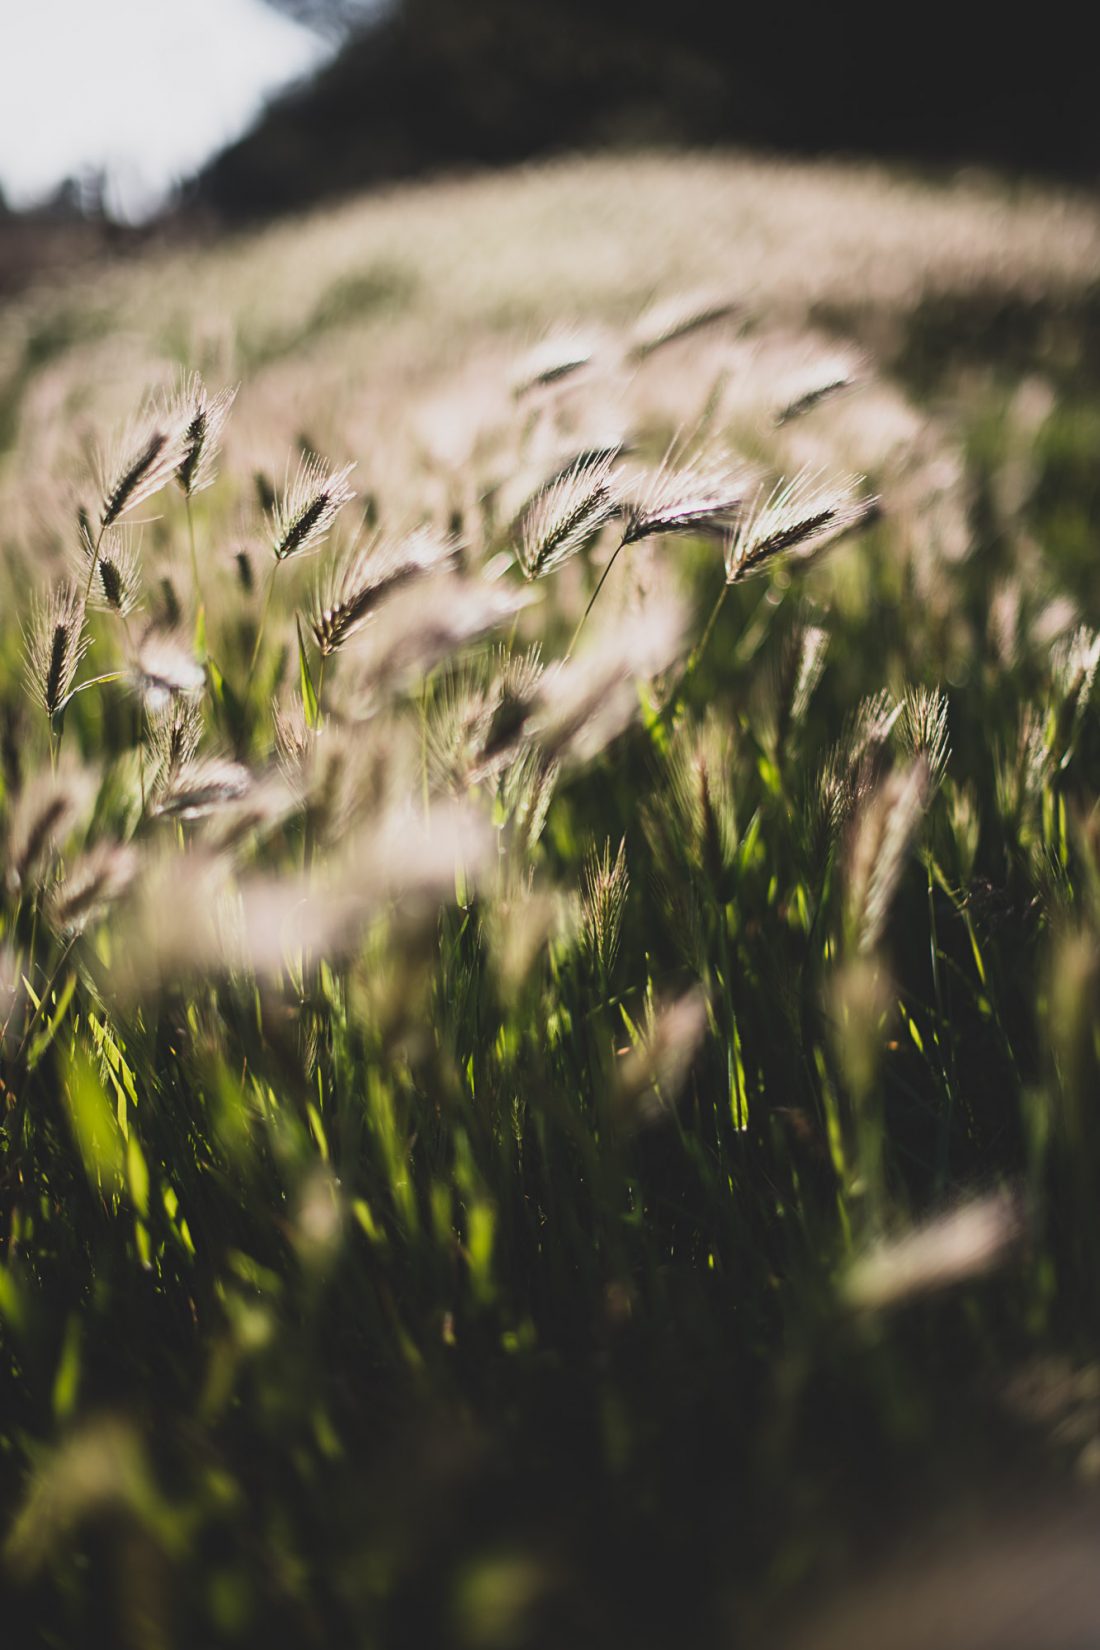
511, 1084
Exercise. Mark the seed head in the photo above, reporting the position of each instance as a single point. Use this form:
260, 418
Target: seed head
564, 515
203, 786
803, 515
202, 417
606, 883
705, 495
96, 879
115, 585
54, 646
145, 460
360, 581
301, 519
675, 318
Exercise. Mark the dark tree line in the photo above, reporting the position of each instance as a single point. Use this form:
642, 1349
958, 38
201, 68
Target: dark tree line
429, 84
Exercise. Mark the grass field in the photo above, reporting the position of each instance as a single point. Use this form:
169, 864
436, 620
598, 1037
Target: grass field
548, 981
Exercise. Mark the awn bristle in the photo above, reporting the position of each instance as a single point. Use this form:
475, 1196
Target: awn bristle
923, 729
703, 496
606, 883
202, 417
202, 786
803, 516
99, 877
677, 318
565, 515
55, 644
301, 519
149, 463
358, 583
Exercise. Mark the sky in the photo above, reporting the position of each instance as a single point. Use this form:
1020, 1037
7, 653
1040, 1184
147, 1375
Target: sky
145, 89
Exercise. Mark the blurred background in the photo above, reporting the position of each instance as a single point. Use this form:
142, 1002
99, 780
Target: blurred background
232, 109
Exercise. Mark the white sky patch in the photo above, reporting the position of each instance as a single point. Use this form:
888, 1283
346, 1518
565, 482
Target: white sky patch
146, 90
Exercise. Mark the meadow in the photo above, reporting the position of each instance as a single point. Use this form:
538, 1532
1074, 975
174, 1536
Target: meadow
550, 909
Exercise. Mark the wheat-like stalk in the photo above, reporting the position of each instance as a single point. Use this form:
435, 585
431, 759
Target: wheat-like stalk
674, 318
201, 416
603, 902
303, 516
96, 879
565, 515
55, 643
704, 495
357, 584
116, 579
803, 515
202, 786
141, 464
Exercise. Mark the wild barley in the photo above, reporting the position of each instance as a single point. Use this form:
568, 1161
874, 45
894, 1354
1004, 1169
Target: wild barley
675, 318
849, 773
565, 515
803, 516
246, 577
799, 517
175, 730
587, 701
509, 703
1022, 768
49, 806
962, 1243
1073, 673
202, 417
923, 728
560, 355
700, 801
201, 786
884, 833
653, 1072
704, 495
605, 887
360, 581
145, 462
812, 644
294, 739
116, 578
301, 519
54, 645
95, 880
831, 374
419, 630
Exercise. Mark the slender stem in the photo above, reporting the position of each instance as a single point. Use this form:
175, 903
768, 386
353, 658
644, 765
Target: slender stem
592, 598
260, 629
94, 565
694, 657
321, 683
308, 843
711, 622
194, 555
